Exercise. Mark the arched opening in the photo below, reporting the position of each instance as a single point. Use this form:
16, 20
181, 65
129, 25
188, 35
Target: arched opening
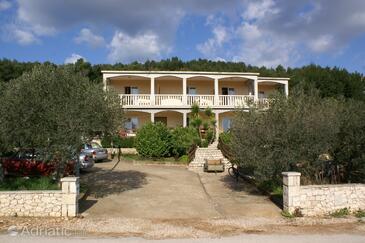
266, 89
168, 91
171, 119
131, 84
225, 121
200, 90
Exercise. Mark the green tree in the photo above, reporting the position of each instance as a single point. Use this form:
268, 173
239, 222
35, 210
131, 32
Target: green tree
293, 131
55, 110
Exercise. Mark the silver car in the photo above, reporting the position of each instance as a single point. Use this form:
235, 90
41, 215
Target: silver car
86, 161
95, 150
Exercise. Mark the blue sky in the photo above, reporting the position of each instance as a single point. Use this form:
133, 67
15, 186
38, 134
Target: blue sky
258, 32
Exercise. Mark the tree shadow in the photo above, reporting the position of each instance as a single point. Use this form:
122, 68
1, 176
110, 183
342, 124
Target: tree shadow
101, 183
249, 187
241, 185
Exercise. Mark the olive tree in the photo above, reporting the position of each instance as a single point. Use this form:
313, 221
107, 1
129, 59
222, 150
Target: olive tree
291, 134
55, 110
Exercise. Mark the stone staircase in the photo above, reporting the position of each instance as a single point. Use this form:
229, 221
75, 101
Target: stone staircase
212, 152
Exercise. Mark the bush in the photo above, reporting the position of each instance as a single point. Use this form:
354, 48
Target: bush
225, 137
117, 142
153, 141
182, 138
24, 183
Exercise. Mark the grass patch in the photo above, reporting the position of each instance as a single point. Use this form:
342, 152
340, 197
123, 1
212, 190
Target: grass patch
25, 183
360, 214
286, 214
340, 213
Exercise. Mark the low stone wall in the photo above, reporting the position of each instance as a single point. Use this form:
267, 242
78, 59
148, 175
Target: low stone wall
318, 200
50, 203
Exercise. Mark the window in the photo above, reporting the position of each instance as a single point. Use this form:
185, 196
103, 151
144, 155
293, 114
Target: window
261, 94
228, 91
131, 123
192, 90
131, 90
226, 124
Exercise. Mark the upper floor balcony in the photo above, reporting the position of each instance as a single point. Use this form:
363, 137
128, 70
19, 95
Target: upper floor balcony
183, 89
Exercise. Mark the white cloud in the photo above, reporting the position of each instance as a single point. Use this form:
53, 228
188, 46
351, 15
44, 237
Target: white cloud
212, 45
259, 9
88, 37
126, 48
73, 58
322, 43
4, 5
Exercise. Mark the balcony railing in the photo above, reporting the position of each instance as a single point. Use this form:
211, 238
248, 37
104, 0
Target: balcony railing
168, 100
201, 100
175, 100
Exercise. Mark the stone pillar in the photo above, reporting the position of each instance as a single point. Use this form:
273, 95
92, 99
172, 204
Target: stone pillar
291, 190
70, 193
216, 92
184, 89
184, 119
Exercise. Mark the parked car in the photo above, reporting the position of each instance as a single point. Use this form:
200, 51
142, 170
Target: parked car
95, 150
86, 161
28, 162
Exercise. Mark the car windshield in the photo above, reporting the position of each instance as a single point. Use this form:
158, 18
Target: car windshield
95, 145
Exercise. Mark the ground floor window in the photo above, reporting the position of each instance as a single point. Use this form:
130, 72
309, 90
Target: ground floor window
131, 123
226, 124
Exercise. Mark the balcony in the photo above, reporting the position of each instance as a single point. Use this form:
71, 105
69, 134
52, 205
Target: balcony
186, 101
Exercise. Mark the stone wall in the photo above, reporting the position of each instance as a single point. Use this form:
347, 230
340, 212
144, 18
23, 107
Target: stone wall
50, 203
316, 200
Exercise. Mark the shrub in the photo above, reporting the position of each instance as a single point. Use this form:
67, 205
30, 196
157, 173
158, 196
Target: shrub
225, 137
153, 141
340, 213
360, 214
184, 159
24, 183
117, 142
182, 138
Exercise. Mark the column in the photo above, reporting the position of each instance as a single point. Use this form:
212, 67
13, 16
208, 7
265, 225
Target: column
153, 91
184, 88
185, 119
216, 92
70, 193
286, 89
153, 117
216, 124
105, 82
291, 191
256, 89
